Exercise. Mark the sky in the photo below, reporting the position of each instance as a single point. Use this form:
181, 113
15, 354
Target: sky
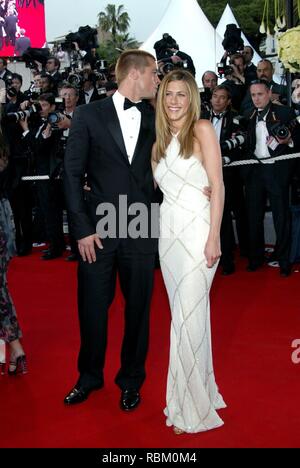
63, 16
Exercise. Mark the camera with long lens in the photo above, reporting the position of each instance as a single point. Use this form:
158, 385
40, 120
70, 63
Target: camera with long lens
58, 115
22, 115
33, 93
11, 92
232, 143
75, 79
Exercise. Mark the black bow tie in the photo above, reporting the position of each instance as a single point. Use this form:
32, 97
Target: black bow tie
128, 104
217, 116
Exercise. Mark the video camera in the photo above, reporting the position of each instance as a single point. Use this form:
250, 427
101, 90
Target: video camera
86, 38
232, 43
162, 47
33, 55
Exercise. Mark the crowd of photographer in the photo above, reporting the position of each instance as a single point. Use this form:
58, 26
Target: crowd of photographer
36, 124
248, 110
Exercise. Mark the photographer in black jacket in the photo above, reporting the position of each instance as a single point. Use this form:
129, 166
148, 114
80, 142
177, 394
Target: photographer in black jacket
271, 133
228, 128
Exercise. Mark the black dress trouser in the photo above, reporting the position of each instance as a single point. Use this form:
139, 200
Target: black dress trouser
96, 289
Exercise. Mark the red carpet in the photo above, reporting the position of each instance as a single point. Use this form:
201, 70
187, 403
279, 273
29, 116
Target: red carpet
255, 318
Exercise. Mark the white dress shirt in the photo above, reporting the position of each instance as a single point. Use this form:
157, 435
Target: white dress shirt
262, 137
217, 123
130, 122
88, 95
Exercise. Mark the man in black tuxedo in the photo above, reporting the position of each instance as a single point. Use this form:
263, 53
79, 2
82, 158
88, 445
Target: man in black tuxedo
110, 141
268, 180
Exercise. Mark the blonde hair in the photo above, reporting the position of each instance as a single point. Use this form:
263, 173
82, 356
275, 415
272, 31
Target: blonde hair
135, 58
163, 130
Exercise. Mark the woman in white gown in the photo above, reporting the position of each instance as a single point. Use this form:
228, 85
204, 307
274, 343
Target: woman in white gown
186, 158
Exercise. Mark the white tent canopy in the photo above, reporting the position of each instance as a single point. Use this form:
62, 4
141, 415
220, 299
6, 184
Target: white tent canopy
229, 18
188, 25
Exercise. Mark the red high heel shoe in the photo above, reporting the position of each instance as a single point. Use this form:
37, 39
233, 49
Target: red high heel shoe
20, 366
2, 368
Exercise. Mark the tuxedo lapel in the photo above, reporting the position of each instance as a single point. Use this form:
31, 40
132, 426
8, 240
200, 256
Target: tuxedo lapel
113, 124
144, 132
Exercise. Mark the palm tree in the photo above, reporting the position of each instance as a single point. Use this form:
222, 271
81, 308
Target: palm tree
115, 20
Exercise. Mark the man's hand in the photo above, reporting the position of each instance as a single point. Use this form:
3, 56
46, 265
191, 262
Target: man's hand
86, 247
24, 124
65, 123
47, 132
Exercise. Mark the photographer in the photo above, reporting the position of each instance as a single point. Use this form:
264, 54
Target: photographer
20, 195
279, 91
44, 143
89, 92
270, 134
230, 132
235, 80
209, 81
169, 56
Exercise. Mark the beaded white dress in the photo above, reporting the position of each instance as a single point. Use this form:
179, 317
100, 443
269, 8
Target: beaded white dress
192, 393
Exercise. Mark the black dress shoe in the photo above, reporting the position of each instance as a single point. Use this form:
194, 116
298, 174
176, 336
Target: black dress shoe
51, 254
130, 399
72, 258
78, 395
285, 271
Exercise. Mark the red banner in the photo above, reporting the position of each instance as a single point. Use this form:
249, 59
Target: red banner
18, 15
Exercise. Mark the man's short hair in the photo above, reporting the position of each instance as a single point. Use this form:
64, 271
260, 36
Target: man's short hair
66, 85
129, 59
211, 72
223, 88
47, 97
16, 76
56, 61
262, 82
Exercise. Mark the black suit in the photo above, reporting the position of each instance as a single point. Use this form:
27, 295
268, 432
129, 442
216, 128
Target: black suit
96, 147
270, 180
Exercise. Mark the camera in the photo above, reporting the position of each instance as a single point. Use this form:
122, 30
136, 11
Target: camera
22, 115
86, 38
75, 79
280, 131
224, 70
11, 92
232, 143
55, 117
232, 41
166, 66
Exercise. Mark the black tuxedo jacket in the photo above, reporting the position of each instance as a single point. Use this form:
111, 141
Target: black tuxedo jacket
96, 148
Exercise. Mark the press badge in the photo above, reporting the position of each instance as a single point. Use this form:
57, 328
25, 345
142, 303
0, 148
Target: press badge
272, 143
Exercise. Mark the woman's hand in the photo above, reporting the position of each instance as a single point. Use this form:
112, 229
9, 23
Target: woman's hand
212, 252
